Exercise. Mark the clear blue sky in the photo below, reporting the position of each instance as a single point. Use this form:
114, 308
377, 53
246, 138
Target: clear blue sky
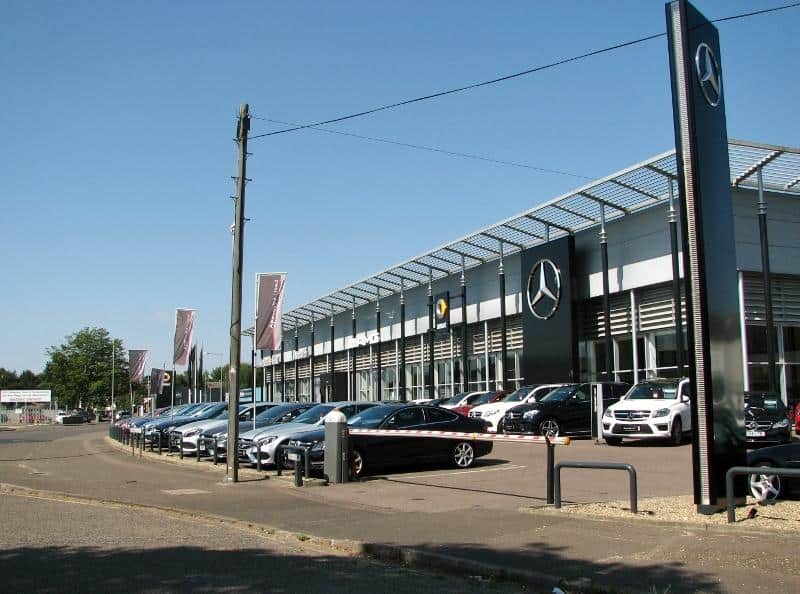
117, 123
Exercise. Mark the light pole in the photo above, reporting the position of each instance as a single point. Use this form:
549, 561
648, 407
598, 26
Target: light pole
113, 363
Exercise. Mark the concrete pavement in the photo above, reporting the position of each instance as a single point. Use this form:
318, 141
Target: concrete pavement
470, 532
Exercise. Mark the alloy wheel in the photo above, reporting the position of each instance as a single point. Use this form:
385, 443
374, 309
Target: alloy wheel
765, 487
549, 428
463, 454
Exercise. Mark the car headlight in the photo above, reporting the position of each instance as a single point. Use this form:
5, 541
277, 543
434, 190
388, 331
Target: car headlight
266, 440
220, 435
170, 429
319, 446
192, 432
661, 412
781, 424
530, 414
491, 412
607, 413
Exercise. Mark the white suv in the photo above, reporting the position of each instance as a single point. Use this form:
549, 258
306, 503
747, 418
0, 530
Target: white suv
494, 412
655, 408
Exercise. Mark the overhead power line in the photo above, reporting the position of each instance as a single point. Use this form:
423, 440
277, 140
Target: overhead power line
512, 76
429, 148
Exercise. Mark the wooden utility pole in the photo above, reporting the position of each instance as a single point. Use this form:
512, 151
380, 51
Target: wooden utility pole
242, 128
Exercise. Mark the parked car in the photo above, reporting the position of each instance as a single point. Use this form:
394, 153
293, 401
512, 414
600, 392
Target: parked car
654, 408
167, 423
273, 436
74, 417
462, 399
766, 419
494, 412
377, 451
188, 435
771, 486
567, 409
282, 413
486, 398
121, 414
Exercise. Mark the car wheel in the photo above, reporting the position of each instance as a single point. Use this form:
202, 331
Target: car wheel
500, 426
357, 464
613, 441
676, 433
765, 487
549, 428
463, 454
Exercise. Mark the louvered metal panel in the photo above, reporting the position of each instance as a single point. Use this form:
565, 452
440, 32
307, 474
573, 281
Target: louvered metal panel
413, 351
592, 318
656, 308
362, 359
785, 299
340, 362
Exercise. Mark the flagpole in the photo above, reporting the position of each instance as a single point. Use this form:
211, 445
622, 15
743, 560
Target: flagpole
130, 385
172, 404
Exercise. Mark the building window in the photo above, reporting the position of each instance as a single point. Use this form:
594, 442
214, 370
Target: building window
477, 373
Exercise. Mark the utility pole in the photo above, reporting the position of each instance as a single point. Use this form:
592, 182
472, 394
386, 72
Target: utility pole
242, 128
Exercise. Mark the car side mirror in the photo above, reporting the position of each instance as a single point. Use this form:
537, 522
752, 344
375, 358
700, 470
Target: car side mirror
685, 398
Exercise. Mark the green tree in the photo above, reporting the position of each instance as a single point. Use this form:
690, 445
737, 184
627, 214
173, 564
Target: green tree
79, 370
25, 380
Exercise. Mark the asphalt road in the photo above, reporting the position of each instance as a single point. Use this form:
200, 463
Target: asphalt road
471, 516
50, 545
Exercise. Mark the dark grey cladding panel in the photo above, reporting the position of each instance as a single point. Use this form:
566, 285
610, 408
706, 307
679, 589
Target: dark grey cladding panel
550, 351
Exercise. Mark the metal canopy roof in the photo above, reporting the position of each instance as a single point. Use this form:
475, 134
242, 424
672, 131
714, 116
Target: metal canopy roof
624, 192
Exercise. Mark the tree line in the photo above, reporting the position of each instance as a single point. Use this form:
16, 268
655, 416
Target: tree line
78, 372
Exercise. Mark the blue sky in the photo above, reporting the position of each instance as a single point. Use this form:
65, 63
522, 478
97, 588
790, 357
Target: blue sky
118, 119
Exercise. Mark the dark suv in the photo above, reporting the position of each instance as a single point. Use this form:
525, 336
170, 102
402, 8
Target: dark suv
567, 409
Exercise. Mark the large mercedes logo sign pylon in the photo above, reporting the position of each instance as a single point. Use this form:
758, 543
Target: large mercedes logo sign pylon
708, 74
544, 289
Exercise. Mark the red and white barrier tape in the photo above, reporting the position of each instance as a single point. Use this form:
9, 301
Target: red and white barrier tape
460, 435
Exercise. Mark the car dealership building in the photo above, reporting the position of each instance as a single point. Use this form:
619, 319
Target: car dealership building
531, 289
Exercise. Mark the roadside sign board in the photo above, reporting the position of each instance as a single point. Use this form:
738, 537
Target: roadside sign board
16, 396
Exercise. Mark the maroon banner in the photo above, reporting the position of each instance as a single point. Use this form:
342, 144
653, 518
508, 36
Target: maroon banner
269, 303
136, 361
184, 327
156, 381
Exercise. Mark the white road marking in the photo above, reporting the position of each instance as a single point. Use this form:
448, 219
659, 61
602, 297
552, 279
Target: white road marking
458, 472
184, 491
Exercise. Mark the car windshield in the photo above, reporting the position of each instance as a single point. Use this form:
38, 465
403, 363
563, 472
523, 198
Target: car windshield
517, 395
483, 399
454, 400
313, 415
275, 412
372, 417
653, 391
559, 394
770, 403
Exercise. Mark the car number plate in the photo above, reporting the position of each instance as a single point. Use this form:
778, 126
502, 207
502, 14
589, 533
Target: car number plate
755, 433
293, 456
630, 428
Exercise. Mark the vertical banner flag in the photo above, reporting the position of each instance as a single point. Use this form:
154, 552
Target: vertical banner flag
156, 381
136, 361
192, 365
184, 327
269, 302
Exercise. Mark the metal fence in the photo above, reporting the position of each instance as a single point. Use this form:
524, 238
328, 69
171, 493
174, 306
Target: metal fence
27, 415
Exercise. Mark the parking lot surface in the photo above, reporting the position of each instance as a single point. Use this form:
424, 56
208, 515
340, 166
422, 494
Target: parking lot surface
471, 516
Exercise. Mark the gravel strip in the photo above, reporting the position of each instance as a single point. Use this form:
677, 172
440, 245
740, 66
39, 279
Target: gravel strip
782, 515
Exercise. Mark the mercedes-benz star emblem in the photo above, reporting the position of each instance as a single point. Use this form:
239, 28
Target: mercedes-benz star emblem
708, 74
544, 289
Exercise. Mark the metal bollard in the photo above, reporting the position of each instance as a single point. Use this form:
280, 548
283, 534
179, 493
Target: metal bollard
278, 456
130, 438
216, 445
141, 444
298, 479
550, 471
152, 445
258, 455
335, 466
199, 439
180, 447
159, 443
307, 458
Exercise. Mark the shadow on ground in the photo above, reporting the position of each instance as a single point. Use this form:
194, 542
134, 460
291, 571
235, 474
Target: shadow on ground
204, 569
